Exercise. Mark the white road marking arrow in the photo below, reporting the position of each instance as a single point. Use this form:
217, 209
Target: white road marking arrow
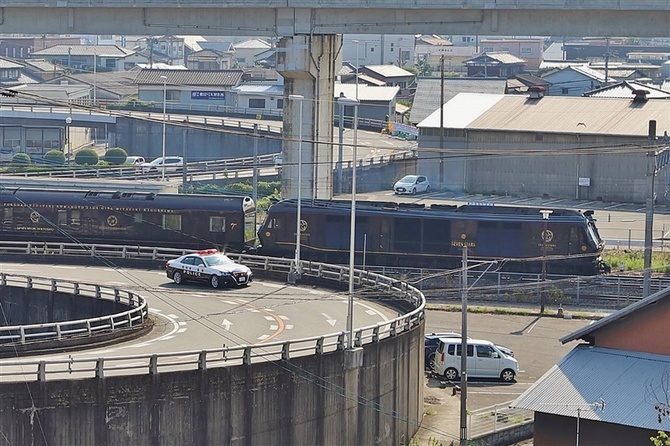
226, 324
329, 319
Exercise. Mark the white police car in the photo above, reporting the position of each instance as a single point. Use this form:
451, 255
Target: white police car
208, 266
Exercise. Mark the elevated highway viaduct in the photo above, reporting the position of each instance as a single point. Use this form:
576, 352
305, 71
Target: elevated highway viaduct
309, 48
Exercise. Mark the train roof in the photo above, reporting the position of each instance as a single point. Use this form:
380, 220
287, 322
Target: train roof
466, 211
149, 200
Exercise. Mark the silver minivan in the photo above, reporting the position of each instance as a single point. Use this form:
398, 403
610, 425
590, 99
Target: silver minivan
485, 360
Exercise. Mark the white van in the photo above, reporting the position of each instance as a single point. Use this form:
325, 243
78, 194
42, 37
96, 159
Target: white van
485, 360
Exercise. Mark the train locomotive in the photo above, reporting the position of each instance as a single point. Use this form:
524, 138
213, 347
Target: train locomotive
417, 235
128, 218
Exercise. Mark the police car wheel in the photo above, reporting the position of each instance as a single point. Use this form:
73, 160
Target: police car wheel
215, 281
178, 278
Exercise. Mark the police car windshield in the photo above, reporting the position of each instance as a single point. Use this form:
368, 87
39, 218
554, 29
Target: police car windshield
217, 259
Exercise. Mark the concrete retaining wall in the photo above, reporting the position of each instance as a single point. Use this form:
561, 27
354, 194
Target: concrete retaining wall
311, 400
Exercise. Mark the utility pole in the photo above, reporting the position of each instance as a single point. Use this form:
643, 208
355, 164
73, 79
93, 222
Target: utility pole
649, 210
442, 121
545, 237
464, 348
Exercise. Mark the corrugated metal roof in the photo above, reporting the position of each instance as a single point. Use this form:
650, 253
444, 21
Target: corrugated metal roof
462, 110
83, 50
366, 92
500, 57
7, 64
427, 96
588, 72
221, 78
254, 44
42, 65
588, 376
552, 114
585, 331
388, 70
369, 80
270, 89
626, 90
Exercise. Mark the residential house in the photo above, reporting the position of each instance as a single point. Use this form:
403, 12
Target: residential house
41, 69
627, 71
23, 47
428, 47
530, 50
104, 88
454, 58
210, 60
11, 73
494, 65
488, 138
390, 75
83, 57
378, 49
260, 98
628, 90
245, 52
376, 103
429, 96
574, 80
608, 389
266, 59
189, 89
169, 48
523, 82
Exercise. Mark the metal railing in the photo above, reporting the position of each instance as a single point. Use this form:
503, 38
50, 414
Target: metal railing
496, 418
23, 334
234, 355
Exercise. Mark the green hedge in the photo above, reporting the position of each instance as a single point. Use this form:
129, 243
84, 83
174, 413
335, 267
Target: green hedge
86, 157
116, 156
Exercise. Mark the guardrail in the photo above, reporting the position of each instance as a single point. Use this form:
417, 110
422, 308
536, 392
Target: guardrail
23, 334
234, 355
496, 418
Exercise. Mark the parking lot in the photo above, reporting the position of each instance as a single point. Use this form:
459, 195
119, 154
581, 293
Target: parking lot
535, 344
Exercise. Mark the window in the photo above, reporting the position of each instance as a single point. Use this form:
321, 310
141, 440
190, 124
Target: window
538, 137
471, 350
241, 59
172, 222
75, 218
274, 223
372, 49
7, 216
62, 217
564, 90
172, 95
488, 49
526, 50
188, 260
256, 103
485, 351
280, 103
217, 224
138, 217
110, 63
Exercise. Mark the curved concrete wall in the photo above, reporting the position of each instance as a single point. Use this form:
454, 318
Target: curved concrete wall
312, 400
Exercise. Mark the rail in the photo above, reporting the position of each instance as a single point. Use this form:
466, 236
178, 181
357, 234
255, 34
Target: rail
23, 334
495, 418
234, 355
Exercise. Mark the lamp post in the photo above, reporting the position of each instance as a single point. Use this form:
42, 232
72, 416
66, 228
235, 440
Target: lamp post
356, 42
352, 236
297, 270
164, 118
546, 236
340, 149
68, 121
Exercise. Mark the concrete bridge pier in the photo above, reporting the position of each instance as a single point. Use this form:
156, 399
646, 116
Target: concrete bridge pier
308, 65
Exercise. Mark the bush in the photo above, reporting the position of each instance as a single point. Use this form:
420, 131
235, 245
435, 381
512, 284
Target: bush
86, 157
54, 157
116, 156
21, 159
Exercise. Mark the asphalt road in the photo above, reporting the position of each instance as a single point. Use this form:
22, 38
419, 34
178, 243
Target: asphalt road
194, 317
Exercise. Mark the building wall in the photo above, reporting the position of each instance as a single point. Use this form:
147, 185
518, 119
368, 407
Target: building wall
554, 430
644, 331
308, 400
529, 50
378, 49
507, 168
569, 83
182, 95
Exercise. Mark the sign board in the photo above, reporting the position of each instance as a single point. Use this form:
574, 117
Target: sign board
218, 95
584, 181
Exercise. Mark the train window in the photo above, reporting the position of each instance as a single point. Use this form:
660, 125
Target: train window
274, 223
8, 216
172, 222
75, 218
407, 235
62, 217
436, 236
217, 224
138, 217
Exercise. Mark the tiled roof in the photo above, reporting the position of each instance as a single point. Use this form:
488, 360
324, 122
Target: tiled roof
503, 58
8, 64
256, 44
41, 65
225, 78
606, 385
121, 83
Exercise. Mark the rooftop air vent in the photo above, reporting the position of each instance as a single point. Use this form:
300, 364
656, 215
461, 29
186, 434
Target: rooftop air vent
640, 95
536, 92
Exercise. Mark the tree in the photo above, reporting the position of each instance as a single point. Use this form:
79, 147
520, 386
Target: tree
660, 439
86, 157
55, 157
116, 156
21, 159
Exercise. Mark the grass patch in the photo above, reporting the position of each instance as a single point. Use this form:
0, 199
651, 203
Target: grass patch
623, 260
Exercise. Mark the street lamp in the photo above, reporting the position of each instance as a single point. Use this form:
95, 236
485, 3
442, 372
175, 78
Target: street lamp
356, 42
297, 271
164, 118
340, 151
546, 236
68, 121
352, 235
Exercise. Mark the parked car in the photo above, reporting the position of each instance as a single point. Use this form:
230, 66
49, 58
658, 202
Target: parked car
431, 342
209, 266
484, 360
172, 164
135, 160
411, 184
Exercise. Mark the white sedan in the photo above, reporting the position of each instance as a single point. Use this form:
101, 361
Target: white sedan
412, 184
172, 164
208, 266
